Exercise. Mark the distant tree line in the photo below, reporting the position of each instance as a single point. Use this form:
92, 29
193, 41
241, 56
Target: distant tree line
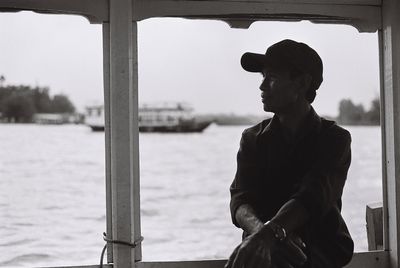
20, 103
355, 114
349, 114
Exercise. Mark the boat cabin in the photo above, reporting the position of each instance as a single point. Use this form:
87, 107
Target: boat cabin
165, 117
119, 20
163, 114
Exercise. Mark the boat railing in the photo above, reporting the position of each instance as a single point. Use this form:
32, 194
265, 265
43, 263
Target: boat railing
374, 219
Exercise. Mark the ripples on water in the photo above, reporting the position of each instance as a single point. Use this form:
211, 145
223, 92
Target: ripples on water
52, 193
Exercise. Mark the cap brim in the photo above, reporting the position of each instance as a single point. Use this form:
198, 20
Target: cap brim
253, 62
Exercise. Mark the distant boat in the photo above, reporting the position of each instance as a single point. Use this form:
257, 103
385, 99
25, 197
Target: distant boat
57, 118
94, 117
172, 118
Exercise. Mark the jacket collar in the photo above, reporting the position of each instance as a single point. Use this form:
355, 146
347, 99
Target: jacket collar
310, 125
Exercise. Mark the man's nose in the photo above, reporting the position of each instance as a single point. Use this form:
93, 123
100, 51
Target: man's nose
264, 85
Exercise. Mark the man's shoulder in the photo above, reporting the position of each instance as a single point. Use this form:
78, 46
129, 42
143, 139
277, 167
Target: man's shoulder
332, 130
257, 128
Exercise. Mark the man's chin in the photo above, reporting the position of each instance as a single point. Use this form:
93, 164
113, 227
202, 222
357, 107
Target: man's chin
267, 108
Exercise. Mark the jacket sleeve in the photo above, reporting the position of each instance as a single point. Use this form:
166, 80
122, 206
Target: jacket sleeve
245, 173
322, 187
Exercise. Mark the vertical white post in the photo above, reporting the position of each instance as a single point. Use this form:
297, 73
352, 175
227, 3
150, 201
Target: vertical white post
390, 60
134, 145
124, 132
107, 134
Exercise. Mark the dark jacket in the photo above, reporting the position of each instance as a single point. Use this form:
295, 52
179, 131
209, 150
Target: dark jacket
312, 169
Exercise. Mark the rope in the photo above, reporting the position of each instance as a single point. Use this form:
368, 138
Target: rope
120, 242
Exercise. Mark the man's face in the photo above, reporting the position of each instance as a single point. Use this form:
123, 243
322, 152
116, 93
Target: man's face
279, 91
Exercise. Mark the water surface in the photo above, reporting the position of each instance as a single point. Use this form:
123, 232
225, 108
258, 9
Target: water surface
52, 193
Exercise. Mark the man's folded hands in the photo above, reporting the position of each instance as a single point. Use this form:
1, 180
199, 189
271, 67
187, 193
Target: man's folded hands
263, 250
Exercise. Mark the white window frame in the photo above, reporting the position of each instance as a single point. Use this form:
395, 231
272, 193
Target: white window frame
119, 19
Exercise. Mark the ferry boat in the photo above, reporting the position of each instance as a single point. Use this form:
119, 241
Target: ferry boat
170, 117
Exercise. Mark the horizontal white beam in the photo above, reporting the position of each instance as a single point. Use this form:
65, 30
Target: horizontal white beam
183, 264
364, 17
320, 2
96, 11
372, 259
83, 266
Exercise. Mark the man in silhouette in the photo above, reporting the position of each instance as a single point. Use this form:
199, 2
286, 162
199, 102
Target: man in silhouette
291, 170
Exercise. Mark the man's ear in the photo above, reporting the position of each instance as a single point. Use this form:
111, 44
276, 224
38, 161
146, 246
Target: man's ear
305, 81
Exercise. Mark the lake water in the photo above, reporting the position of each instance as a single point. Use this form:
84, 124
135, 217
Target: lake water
52, 193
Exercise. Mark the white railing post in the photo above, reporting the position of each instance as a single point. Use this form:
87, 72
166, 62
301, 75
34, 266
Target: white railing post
390, 76
134, 149
107, 134
122, 132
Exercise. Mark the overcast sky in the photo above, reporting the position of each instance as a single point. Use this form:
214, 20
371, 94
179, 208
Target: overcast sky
183, 60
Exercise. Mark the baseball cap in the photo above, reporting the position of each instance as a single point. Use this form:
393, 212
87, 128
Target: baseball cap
286, 55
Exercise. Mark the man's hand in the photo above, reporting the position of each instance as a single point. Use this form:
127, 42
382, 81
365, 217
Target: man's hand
254, 252
248, 220
262, 250
290, 253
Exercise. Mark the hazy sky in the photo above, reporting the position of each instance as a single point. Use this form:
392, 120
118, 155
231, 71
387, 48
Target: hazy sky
183, 60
